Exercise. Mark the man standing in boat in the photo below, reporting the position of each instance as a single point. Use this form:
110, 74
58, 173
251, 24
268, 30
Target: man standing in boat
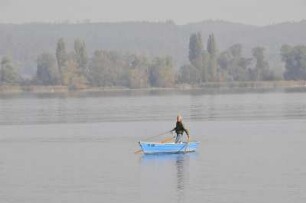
180, 129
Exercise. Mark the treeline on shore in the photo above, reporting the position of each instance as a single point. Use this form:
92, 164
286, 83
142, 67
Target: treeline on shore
78, 70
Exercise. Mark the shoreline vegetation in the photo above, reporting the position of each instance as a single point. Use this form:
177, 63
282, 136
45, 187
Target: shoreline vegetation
208, 69
210, 87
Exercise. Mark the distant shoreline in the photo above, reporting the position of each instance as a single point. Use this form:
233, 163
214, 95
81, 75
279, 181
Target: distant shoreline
213, 86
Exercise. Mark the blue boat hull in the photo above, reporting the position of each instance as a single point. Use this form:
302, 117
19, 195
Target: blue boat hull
155, 147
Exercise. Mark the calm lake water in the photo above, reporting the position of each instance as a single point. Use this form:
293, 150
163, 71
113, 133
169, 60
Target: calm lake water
80, 148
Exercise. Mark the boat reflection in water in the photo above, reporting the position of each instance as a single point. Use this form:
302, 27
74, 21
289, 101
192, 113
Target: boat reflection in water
167, 170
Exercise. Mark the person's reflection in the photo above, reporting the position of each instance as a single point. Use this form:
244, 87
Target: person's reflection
168, 162
179, 163
180, 176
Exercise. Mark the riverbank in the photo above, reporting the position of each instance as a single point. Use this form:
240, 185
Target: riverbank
210, 87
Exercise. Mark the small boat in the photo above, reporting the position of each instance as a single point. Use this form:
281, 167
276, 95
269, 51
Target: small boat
156, 147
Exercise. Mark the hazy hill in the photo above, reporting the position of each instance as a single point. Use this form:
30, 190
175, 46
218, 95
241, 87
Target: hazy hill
25, 41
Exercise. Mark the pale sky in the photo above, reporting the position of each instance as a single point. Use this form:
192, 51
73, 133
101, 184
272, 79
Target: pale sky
256, 12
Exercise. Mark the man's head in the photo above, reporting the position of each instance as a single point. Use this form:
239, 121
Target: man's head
179, 118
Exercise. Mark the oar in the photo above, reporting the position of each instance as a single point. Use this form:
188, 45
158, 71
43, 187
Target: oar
138, 151
167, 140
158, 135
163, 141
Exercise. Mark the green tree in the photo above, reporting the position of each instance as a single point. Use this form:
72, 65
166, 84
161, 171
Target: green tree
8, 73
224, 61
204, 72
47, 70
262, 66
161, 72
235, 66
81, 55
211, 45
238, 64
61, 57
295, 62
72, 75
189, 74
108, 68
195, 50
138, 76
212, 50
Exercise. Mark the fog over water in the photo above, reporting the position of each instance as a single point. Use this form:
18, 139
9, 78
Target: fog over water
150, 105
81, 148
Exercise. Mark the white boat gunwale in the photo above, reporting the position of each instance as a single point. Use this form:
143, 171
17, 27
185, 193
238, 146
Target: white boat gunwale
170, 147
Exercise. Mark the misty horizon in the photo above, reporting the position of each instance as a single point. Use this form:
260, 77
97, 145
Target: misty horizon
251, 12
88, 21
